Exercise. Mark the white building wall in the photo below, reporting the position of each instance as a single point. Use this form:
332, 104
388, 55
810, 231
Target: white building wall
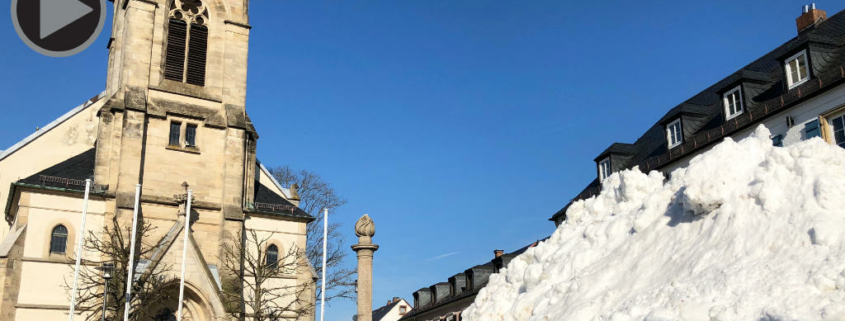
394, 314
44, 276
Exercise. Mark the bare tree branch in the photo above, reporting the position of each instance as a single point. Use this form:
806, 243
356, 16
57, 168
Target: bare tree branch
261, 288
316, 194
111, 245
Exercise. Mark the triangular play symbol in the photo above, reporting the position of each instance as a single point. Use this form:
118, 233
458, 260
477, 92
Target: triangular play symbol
57, 14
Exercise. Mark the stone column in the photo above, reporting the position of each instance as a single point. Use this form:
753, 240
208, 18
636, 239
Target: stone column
365, 229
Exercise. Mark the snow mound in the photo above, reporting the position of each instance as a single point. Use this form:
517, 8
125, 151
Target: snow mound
747, 231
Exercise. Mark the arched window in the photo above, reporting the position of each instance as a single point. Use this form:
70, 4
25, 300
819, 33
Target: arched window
187, 42
58, 240
272, 256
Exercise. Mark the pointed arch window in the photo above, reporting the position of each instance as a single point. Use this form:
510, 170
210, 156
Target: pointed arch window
58, 240
272, 256
187, 42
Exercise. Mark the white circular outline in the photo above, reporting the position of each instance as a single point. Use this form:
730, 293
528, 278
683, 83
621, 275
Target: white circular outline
65, 53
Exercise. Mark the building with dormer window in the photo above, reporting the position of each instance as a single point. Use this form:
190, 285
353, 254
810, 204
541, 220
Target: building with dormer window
796, 90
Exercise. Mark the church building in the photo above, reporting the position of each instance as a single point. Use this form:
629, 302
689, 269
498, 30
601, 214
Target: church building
172, 117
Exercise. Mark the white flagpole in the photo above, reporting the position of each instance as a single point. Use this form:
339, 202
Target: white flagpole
323, 286
184, 255
79, 240
131, 276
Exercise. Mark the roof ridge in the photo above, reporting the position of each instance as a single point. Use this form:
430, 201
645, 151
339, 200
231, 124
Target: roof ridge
285, 191
838, 15
50, 126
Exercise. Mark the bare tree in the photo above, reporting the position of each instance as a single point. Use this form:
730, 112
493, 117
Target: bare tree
112, 245
263, 286
316, 194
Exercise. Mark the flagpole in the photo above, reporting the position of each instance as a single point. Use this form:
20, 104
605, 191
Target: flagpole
79, 240
325, 242
131, 274
184, 255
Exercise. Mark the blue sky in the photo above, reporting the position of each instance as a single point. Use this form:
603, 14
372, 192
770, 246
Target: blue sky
459, 126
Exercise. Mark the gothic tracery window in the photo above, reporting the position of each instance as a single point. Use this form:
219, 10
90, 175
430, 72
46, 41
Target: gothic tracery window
187, 42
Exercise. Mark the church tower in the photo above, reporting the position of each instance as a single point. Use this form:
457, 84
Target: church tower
176, 90
172, 117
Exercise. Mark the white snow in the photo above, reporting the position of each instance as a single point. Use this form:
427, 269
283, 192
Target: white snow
747, 231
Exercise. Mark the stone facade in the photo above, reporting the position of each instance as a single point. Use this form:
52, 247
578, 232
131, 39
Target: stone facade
127, 131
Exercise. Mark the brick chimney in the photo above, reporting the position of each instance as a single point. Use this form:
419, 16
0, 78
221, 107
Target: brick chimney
498, 253
810, 16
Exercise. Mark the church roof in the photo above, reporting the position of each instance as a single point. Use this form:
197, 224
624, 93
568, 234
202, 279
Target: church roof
268, 202
70, 173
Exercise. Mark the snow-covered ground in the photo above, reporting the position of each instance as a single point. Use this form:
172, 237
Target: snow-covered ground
746, 232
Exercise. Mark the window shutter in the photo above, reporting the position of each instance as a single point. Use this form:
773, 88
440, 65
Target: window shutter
174, 63
196, 55
812, 129
777, 141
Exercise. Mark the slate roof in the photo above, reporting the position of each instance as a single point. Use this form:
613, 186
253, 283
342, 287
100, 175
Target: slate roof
72, 173
487, 269
69, 174
765, 93
268, 202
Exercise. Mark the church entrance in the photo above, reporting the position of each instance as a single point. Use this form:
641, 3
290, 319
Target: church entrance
194, 308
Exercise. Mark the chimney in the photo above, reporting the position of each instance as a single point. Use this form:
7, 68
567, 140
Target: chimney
396, 299
810, 16
498, 253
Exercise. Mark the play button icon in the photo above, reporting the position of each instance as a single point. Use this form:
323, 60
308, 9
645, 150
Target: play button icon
58, 28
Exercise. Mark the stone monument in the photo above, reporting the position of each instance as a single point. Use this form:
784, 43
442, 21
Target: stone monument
365, 229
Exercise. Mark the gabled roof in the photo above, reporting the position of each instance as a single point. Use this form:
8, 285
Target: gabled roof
268, 202
267, 172
688, 109
381, 312
617, 149
78, 168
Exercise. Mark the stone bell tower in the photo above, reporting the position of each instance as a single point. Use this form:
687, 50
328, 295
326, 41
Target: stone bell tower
176, 90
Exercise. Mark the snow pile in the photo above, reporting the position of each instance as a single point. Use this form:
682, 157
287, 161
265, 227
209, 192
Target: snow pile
746, 232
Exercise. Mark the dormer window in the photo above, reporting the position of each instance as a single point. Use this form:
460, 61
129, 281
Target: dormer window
604, 169
796, 69
733, 103
674, 136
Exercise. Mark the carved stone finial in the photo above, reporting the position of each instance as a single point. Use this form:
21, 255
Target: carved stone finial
294, 191
365, 227
182, 200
